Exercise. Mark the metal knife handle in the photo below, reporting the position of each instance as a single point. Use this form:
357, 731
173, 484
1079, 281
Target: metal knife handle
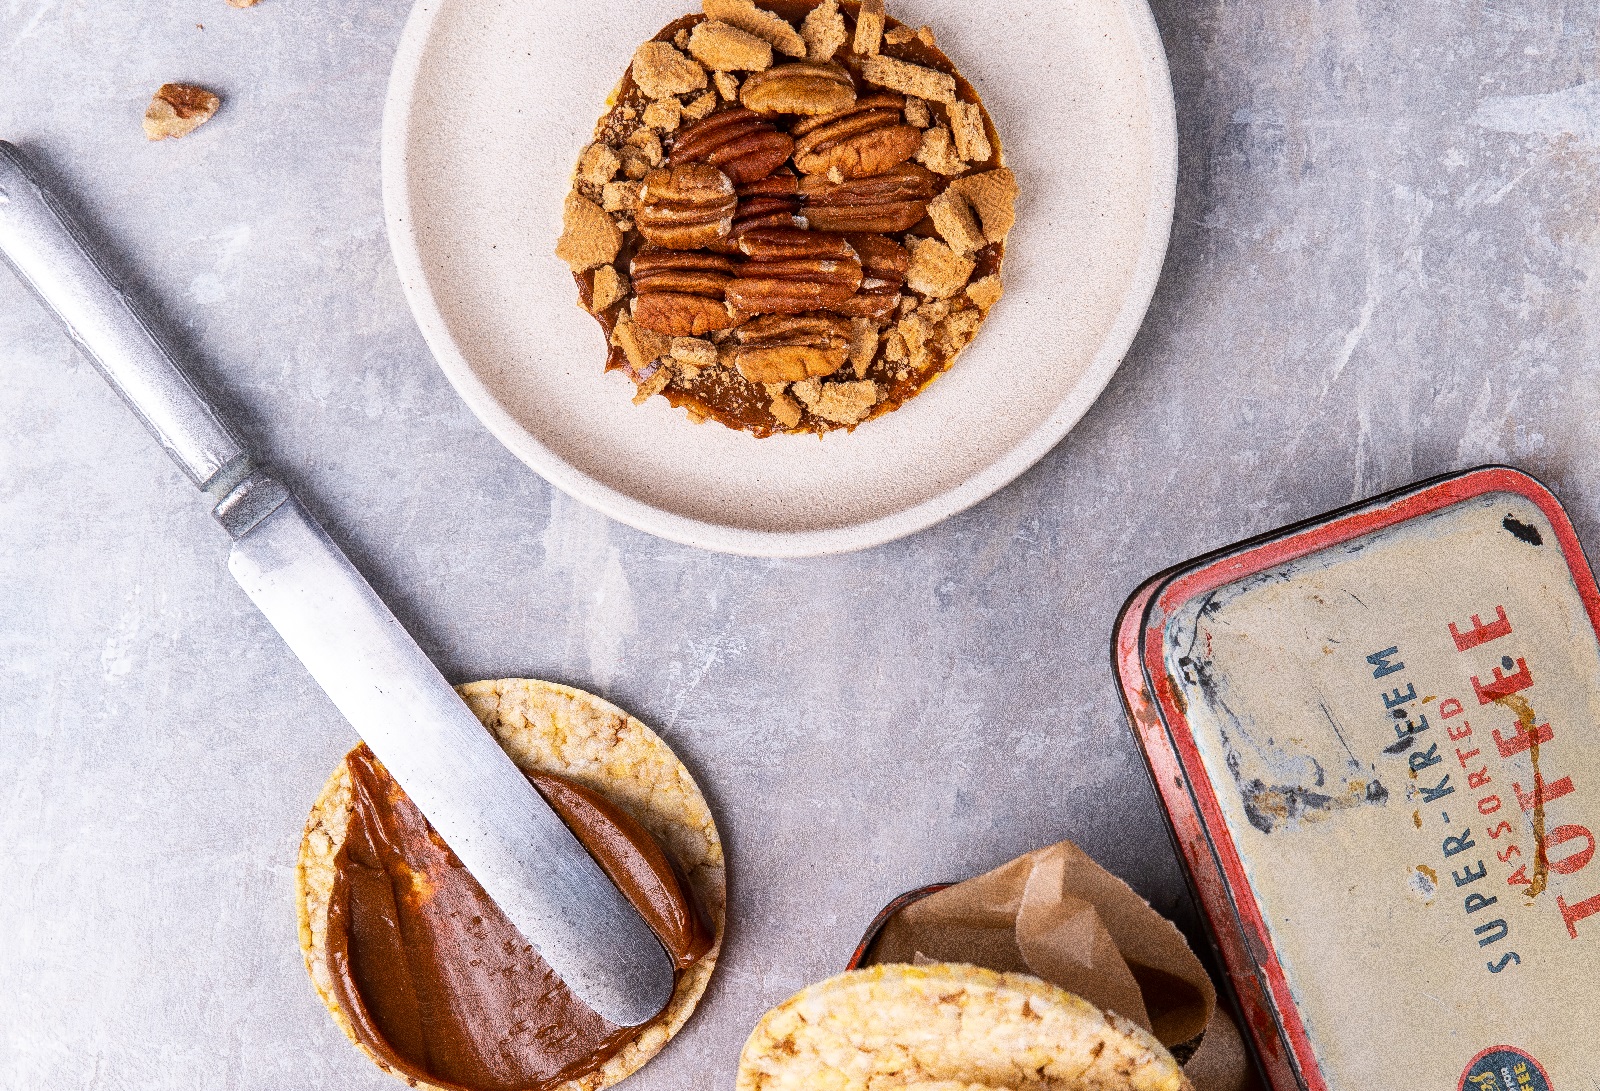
47, 250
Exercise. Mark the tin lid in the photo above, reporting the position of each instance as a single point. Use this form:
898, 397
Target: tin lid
1372, 733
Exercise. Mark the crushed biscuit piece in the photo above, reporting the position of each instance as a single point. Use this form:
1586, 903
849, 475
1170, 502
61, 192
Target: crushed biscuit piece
609, 286
641, 154
784, 409
624, 224
899, 35
643, 347
635, 164
894, 347
836, 176
178, 109
908, 79
588, 237
915, 330
952, 215
648, 143
701, 105
841, 403
925, 36
938, 153
664, 116
957, 331
869, 28
694, 352
985, 291
824, 31
917, 112
681, 39
863, 345
966, 125
661, 71
598, 164
762, 23
994, 195
654, 385
727, 86
627, 113
722, 47
935, 269
620, 196
934, 310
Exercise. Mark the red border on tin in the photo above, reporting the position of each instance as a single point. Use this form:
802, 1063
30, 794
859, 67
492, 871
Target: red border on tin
1189, 836
1251, 560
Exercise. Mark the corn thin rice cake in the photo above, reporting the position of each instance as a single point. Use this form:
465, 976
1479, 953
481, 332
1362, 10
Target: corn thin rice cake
899, 1026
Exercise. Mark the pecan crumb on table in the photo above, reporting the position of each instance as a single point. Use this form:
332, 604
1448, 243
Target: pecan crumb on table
178, 109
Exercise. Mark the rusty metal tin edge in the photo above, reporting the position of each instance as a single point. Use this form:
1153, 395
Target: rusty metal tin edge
883, 916
1166, 593
1224, 928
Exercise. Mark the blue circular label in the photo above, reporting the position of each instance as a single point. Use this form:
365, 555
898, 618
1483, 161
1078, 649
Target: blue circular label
1504, 1068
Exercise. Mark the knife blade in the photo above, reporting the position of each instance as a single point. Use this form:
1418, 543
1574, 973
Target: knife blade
492, 818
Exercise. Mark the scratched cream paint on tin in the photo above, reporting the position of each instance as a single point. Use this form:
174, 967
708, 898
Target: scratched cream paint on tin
1400, 733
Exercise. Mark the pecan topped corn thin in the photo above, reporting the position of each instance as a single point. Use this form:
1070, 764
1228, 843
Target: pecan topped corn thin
792, 217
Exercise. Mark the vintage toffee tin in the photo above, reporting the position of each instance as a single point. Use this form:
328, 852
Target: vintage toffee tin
1374, 735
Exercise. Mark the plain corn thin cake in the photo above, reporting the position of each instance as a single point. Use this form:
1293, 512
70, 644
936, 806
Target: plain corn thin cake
792, 215
945, 1026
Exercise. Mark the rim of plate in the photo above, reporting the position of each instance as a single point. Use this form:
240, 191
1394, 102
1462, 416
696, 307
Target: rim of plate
720, 537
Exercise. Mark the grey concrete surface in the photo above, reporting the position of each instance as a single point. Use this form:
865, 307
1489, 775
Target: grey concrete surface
1383, 267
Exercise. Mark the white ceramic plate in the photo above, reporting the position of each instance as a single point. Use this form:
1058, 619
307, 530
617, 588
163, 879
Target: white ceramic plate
490, 102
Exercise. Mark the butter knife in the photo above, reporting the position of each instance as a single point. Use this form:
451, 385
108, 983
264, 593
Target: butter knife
517, 848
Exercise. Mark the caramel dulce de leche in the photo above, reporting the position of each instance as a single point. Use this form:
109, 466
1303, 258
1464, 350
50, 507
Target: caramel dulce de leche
436, 981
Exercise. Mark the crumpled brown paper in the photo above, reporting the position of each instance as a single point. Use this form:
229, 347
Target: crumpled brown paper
1058, 915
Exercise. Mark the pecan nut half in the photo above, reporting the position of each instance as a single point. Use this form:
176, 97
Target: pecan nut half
784, 348
876, 303
800, 87
881, 257
884, 263
681, 294
742, 143
786, 243
791, 271
773, 201
866, 139
895, 200
686, 206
